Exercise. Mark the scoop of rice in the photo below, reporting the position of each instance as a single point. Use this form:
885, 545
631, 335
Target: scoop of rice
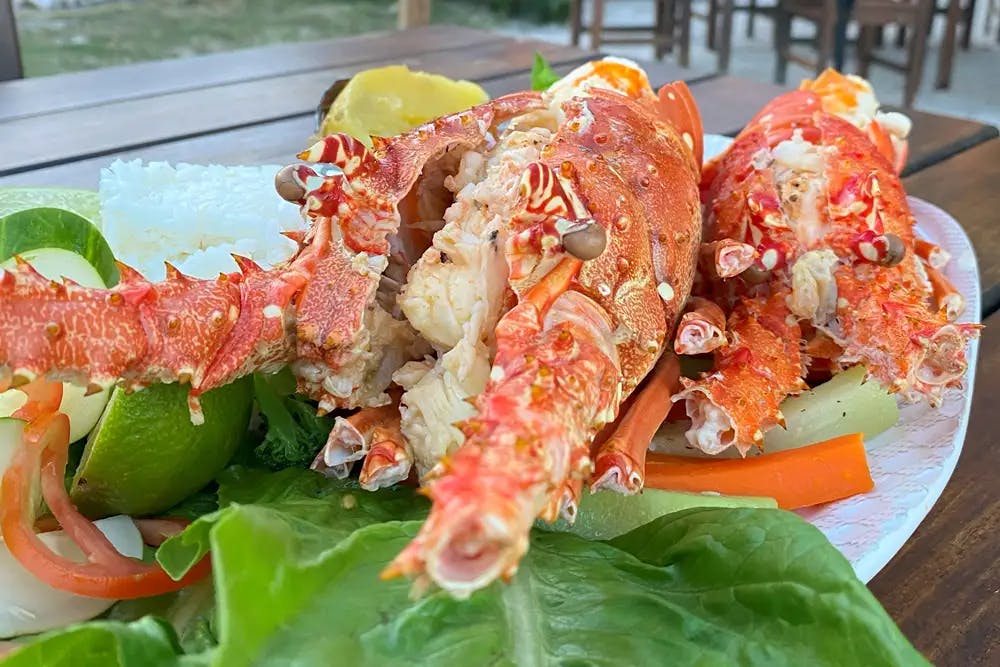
194, 217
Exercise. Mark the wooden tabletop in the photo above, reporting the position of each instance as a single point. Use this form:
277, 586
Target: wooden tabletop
257, 107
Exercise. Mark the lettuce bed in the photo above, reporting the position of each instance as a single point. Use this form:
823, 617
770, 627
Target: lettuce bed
297, 557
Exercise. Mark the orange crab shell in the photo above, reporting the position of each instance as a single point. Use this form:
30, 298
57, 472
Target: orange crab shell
636, 176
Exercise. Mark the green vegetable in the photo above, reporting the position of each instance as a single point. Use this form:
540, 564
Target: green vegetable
542, 74
149, 642
145, 455
37, 228
605, 514
294, 432
301, 496
190, 611
844, 404
296, 576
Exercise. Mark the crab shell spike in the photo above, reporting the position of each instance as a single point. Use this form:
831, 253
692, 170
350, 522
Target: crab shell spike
297, 235
173, 273
246, 265
126, 274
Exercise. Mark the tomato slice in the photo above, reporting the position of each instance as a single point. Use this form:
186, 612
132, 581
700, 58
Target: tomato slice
39, 465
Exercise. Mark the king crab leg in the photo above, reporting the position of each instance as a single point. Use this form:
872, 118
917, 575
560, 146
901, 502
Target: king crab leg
621, 459
934, 255
947, 297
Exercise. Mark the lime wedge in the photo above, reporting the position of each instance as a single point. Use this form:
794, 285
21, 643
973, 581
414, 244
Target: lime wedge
145, 455
85, 203
388, 100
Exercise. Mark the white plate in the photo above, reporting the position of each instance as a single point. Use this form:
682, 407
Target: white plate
913, 460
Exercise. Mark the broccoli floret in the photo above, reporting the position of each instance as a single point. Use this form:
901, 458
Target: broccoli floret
294, 432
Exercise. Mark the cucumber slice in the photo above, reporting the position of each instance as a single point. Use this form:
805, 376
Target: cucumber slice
844, 404
83, 411
605, 515
36, 228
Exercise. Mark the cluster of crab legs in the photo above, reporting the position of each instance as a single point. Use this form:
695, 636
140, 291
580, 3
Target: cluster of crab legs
513, 343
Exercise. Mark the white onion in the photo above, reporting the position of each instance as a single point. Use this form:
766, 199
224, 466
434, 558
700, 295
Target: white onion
28, 605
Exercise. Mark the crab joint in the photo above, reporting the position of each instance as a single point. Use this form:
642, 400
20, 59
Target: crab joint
586, 241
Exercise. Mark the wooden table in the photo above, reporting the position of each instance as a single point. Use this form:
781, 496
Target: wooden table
257, 106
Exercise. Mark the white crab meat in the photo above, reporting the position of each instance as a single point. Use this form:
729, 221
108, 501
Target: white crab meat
455, 294
814, 288
711, 429
798, 174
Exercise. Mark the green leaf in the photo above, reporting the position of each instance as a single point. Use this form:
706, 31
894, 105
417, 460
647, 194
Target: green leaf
36, 228
323, 510
297, 558
146, 643
705, 586
763, 571
294, 432
542, 74
190, 611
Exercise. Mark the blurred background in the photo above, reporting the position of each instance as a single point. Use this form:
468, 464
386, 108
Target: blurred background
71, 35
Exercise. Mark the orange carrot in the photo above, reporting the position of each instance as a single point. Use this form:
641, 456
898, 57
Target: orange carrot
810, 475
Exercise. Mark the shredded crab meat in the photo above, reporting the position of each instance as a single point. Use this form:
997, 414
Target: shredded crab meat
455, 294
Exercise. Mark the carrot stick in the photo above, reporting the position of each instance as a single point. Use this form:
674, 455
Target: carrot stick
810, 475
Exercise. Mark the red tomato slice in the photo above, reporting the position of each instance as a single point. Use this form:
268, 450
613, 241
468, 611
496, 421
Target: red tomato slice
40, 464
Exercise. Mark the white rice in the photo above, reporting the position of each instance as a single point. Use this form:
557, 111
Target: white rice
194, 217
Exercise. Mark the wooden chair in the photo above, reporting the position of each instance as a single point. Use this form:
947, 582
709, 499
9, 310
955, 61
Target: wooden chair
719, 19
753, 8
672, 27
966, 11
10, 50
831, 18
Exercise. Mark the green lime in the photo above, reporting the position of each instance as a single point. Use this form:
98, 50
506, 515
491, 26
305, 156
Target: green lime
145, 455
85, 203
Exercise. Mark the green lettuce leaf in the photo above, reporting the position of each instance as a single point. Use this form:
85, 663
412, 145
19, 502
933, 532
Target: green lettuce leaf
323, 510
190, 611
542, 74
297, 558
148, 642
650, 594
